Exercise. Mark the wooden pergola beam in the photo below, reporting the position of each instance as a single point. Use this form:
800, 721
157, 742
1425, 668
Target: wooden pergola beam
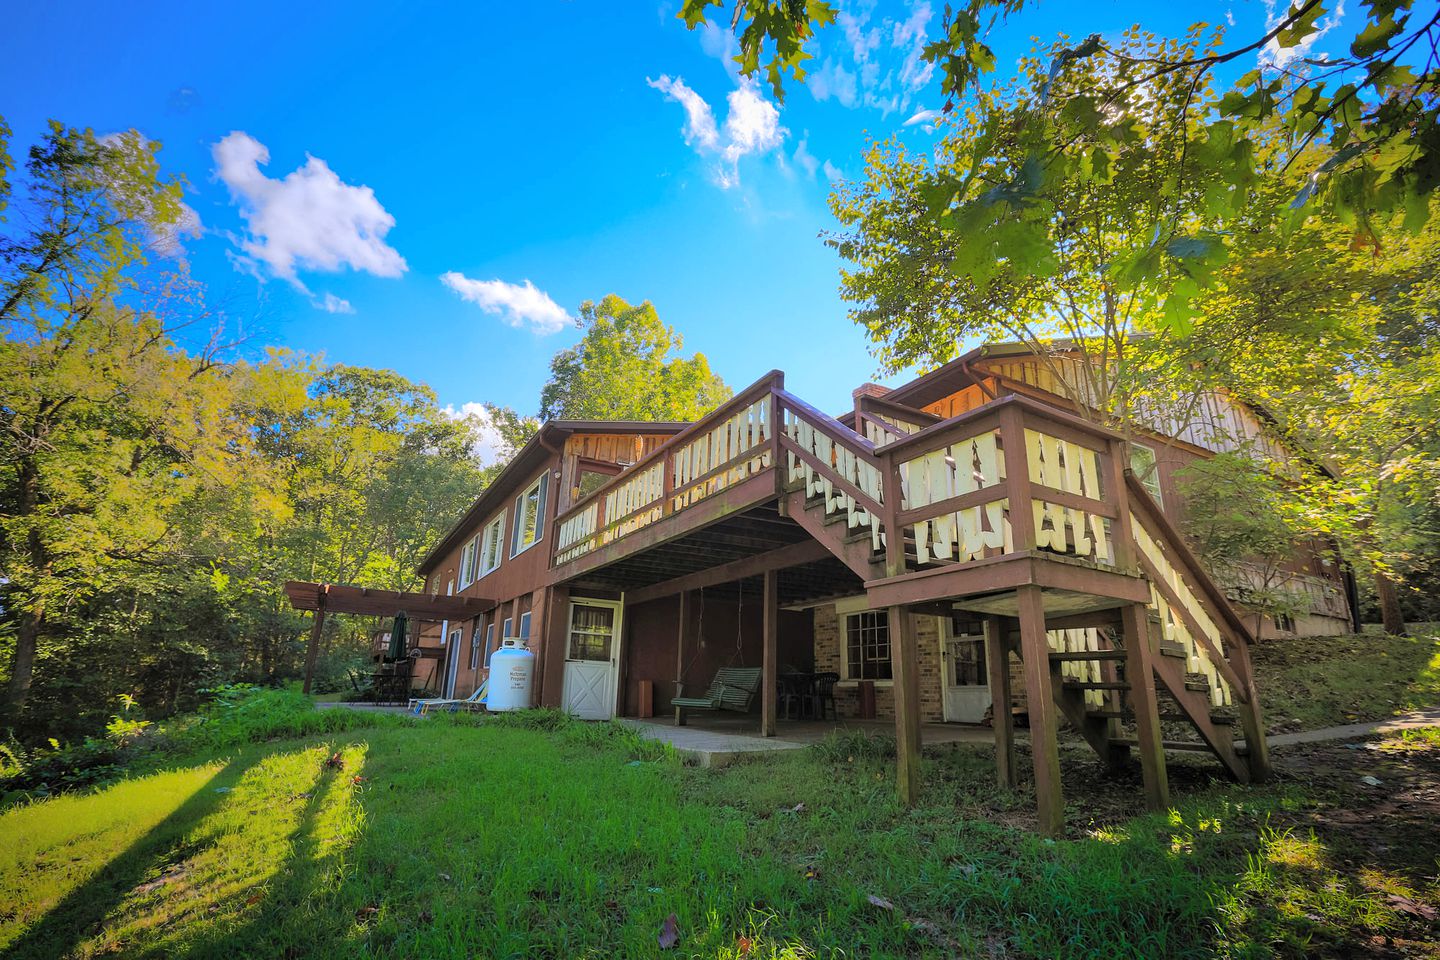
368, 601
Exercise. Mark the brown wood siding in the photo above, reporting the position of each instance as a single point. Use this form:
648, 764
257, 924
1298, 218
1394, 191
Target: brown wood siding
962, 401
711, 642
618, 448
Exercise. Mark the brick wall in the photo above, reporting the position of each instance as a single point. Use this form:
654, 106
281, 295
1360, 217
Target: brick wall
847, 699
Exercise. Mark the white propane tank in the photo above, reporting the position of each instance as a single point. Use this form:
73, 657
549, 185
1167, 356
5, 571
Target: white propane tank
512, 669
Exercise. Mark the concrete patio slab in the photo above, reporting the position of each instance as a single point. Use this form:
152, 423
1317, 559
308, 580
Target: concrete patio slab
715, 740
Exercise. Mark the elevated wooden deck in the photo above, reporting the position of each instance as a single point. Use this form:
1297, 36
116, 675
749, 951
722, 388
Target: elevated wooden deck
1016, 510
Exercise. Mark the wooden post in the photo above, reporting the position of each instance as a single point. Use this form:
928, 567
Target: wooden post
680, 658
1040, 701
904, 656
1140, 674
997, 661
770, 632
313, 651
1252, 722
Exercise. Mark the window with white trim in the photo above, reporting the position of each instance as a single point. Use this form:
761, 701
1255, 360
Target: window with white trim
1146, 469
490, 540
475, 646
530, 515
489, 641
525, 628
867, 646
467, 562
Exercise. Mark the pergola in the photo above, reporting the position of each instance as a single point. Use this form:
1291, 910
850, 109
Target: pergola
323, 598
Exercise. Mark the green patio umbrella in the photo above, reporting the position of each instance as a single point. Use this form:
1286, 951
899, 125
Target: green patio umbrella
397, 636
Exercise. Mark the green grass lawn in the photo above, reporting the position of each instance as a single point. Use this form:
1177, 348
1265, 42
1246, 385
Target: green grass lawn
489, 839
1325, 681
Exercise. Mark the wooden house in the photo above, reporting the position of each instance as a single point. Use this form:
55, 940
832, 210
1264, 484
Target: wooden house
962, 540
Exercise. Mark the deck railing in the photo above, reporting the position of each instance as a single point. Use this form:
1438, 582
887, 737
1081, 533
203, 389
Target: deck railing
831, 462
1010, 476
1192, 612
730, 444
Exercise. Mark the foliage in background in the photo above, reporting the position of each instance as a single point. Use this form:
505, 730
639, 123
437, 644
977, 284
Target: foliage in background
155, 489
626, 367
1374, 106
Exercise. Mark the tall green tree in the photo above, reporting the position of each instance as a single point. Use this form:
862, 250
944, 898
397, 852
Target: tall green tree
109, 431
626, 367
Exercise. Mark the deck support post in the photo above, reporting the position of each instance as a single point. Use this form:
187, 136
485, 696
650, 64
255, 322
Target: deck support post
317, 626
1252, 723
1040, 702
769, 662
1140, 674
904, 656
1002, 718
680, 656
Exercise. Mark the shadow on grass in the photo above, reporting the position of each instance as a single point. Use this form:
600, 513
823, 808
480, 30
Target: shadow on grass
84, 909
291, 918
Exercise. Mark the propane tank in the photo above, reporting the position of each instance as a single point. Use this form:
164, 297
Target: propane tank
512, 670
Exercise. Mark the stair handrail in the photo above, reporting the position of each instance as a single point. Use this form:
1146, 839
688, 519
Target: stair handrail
850, 466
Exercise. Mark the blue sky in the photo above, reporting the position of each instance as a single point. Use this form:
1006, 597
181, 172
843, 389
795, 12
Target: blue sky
500, 144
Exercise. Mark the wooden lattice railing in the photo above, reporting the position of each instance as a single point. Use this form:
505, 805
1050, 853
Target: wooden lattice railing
833, 463
731, 444
960, 479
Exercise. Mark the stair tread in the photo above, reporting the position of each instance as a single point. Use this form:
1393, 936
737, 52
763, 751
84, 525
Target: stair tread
1195, 746
1096, 685
1172, 650
1087, 655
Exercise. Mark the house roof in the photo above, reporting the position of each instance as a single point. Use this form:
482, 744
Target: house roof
546, 442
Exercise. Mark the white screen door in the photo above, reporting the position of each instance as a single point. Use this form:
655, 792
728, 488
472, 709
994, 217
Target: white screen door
592, 658
966, 685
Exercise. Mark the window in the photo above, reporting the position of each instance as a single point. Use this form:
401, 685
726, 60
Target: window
490, 539
590, 481
475, 647
1146, 470
489, 641
966, 651
525, 628
467, 562
867, 646
530, 515
455, 639
591, 629
505, 631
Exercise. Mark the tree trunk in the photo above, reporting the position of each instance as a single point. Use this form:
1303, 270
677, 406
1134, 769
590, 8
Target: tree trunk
1390, 615
22, 664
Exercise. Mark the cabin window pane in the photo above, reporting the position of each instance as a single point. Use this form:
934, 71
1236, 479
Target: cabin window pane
529, 514
1146, 470
590, 632
867, 646
490, 540
590, 481
966, 647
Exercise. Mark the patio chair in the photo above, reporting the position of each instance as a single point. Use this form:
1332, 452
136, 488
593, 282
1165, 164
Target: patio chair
733, 688
822, 695
476, 700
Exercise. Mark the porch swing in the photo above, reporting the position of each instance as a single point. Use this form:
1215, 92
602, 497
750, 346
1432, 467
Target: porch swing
734, 688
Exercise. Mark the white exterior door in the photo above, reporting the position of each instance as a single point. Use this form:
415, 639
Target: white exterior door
592, 659
965, 683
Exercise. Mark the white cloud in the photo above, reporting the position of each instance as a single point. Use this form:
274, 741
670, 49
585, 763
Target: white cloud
165, 239
832, 172
488, 444
880, 65
806, 160
832, 79
923, 116
520, 305
310, 220
700, 128
333, 304
752, 125
1274, 55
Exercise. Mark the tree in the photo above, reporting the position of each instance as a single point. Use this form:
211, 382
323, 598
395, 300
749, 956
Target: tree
109, 431
1375, 107
623, 369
